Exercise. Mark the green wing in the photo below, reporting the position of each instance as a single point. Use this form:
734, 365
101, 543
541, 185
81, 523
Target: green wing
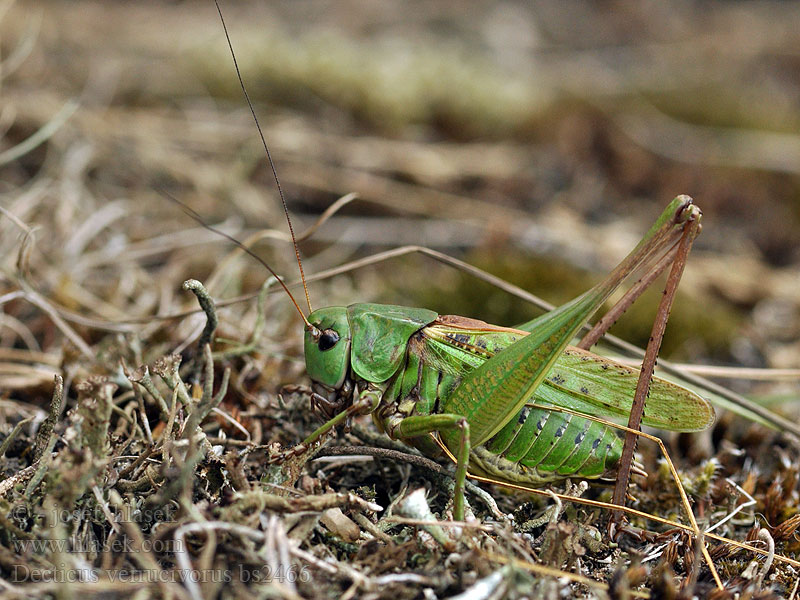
598, 386
579, 380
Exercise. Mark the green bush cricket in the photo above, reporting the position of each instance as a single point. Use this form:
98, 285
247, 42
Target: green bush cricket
517, 405
362, 357
487, 390
411, 396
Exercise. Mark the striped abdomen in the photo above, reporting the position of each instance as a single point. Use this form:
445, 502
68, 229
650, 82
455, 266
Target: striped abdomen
541, 445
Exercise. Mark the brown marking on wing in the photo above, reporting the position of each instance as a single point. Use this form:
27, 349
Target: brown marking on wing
473, 324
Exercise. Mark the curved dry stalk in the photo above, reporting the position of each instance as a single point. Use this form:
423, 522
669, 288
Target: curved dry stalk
153, 246
185, 564
275, 234
25, 46
21, 330
44, 133
327, 214
98, 220
43, 303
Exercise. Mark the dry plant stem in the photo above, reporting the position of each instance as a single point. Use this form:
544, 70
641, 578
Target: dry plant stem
733, 148
101, 502
14, 59
371, 528
275, 549
477, 526
34, 297
46, 429
189, 211
42, 135
415, 506
258, 327
22, 330
125, 325
327, 214
313, 503
384, 190
248, 438
747, 373
51, 311
208, 402
207, 304
11, 436
244, 246
147, 453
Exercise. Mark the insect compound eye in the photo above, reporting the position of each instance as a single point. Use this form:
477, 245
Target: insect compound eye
328, 339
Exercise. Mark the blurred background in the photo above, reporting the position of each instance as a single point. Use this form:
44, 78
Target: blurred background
537, 141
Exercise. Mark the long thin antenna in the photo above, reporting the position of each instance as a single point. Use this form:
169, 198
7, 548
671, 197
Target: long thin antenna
189, 211
269, 156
